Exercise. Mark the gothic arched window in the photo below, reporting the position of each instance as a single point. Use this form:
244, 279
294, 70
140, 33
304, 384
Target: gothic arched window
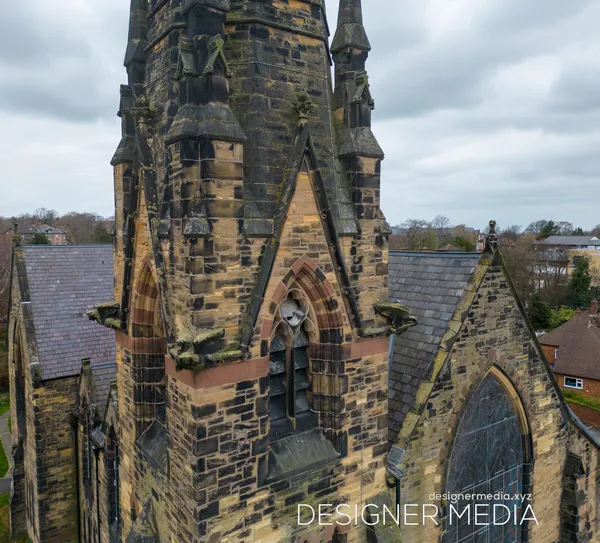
488, 457
289, 375
150, 386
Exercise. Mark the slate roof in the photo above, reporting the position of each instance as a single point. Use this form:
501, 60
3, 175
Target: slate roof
102, 376
431, 285
578, 343
570, 241
64, 282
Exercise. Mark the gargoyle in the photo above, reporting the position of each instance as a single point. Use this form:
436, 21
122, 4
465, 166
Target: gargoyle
398, 314
190, 351
107, 314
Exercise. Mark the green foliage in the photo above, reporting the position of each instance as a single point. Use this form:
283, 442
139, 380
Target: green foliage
540, 313
549, 229
463, 244
3, 461
579, 399
578, 293
4, 498
543, 317
101, 234
4, 403
561, 316
40, 238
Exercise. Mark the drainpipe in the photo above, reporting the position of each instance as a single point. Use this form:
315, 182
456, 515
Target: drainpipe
97, 454
75, 426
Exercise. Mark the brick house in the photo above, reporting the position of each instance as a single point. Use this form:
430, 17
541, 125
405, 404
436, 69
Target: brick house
56, 236
474, 406
49, 334
573, 351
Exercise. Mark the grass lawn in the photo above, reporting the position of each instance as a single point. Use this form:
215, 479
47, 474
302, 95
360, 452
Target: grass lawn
579, 399
4, 403
3, 461
5, 522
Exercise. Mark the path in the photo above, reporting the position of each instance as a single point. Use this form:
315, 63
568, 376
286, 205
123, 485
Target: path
5, 482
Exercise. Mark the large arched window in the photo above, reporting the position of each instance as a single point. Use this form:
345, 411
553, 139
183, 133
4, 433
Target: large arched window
290, 368
488, 457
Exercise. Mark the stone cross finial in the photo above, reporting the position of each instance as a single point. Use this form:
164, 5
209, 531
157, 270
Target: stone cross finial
492, 238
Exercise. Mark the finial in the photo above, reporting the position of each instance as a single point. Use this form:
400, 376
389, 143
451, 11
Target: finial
492, 238
303, 106
350, 30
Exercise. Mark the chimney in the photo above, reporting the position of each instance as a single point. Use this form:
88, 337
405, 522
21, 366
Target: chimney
594, 308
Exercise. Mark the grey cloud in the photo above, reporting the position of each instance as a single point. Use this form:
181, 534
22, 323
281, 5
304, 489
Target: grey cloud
56, 71
577, 90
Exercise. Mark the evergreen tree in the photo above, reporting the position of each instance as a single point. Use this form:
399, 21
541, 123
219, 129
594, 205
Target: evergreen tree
549, 229
540, 313
40, 238
578, 294
101, 234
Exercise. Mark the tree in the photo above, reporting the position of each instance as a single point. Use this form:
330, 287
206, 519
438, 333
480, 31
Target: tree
80, 227
540, 313
463, 244
441, 226
595, 231
416, 234
561, 316
40, 238
46, 216
578, 294
101, 234
549, 229
511, 232
578, 232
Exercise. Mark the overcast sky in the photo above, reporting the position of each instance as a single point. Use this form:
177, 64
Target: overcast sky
485, 108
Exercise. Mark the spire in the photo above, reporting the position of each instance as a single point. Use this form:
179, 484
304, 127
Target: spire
135, 57
350, 30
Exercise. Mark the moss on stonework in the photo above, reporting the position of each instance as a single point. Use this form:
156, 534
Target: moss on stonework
224, 356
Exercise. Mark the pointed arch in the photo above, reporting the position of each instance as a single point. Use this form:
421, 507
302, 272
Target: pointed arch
326, 312
146, 317
490, 454
148, 358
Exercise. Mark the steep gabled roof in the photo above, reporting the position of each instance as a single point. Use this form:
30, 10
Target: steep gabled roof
61, 283
578, 342
431, 285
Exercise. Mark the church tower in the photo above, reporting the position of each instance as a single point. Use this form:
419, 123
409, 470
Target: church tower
251, 274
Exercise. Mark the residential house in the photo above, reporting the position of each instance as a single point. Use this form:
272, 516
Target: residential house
566, 251
56, 236
573, 352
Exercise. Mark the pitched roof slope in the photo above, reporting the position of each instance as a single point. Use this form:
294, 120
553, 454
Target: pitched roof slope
64, 282
578, 342
431, 285
569, 240
103, 376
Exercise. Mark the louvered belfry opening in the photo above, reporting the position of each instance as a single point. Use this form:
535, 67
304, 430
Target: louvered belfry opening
289, 376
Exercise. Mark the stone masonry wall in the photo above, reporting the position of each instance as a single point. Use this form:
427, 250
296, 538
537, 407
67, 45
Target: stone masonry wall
495, 333
56, 492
